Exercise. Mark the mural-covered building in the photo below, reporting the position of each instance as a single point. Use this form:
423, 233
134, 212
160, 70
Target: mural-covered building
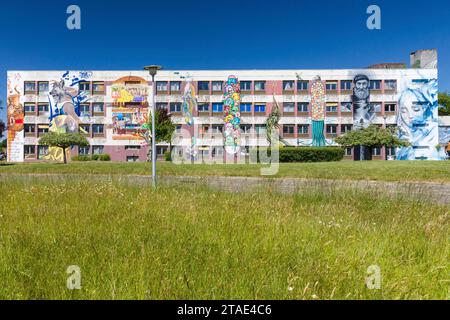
223, 112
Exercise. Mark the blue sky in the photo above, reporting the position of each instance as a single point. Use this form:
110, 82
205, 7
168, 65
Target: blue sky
204, 34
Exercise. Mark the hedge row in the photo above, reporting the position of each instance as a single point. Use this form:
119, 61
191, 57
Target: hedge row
307, 154
94, 157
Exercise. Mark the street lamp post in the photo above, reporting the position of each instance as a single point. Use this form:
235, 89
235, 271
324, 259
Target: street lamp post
153, 70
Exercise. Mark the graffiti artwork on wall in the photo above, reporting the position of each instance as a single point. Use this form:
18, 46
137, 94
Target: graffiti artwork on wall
64, 102
15, 119
231, 103
318, 100
363, 114
130, 108
189, 105
417, 120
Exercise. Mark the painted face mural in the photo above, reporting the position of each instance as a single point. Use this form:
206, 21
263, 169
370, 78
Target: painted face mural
231, 102
363, 114
417, 120
318, 100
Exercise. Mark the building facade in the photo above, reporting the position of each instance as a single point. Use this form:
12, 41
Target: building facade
213, 109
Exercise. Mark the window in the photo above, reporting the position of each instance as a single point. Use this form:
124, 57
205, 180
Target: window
205, 129
217, 152
203, 107
85, 109
217, 107
346, 85
390, 85
175, 86
217, 128
30, 87
84, 128
83, 151
346, 128
260, 129
42, 151
288, 85
98, 107
246, 85
376, 152
43, 87
98, 87
303, 129
348, 151
29, 108
375, 107
217, 86
162, 106
136, 147
97, 149
331, 85
42, 129
331, 129
178, 128
97, 129
203, 86
302, 85
288, 107
160, 150
43, 109
261, 108
246, 107
346, 107
288, 129
84, 86
332, 107
29, 150
390, 107
260, 85
161, 86
390, 152
132, 159
302, 107
175, 107
246, 128
375, 84
29, 129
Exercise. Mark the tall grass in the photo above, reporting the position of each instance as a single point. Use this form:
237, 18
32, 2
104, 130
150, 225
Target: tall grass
194, 243
426, 171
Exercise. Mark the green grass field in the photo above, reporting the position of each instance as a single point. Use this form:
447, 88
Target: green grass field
432, 171
193, 243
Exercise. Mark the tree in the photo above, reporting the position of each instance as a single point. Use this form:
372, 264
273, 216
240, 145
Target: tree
164, 129
2, 128
444, 104
371, 137
63, 141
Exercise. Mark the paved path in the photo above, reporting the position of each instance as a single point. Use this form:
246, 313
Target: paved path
427, 191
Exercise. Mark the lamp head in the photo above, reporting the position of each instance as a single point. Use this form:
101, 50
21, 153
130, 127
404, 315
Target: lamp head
152, 69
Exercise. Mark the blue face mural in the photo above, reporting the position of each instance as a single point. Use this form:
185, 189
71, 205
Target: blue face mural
417, 120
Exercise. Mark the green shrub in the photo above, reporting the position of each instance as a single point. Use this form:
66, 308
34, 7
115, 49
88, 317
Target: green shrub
81, 158
104, 157
304, 154
95, 157
168, 155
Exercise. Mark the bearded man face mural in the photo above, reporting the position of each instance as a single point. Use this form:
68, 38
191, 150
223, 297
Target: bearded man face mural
362, 115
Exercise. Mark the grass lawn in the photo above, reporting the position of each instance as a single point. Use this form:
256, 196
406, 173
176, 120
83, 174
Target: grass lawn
194, 243
432, 171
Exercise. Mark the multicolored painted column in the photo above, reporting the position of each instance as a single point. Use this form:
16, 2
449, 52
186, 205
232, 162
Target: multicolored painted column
232, 116
189, 105
318, 98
